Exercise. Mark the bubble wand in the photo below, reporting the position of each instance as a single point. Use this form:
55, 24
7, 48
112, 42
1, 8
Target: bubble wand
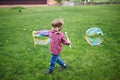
66, 34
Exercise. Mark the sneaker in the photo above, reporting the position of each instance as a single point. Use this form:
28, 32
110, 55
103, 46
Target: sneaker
63, 67
48, 72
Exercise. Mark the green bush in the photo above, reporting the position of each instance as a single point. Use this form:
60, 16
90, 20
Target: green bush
18, 8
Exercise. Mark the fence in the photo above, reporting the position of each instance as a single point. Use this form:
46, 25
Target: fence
90, 2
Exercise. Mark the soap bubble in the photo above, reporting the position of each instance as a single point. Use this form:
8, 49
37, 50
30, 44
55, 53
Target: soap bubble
94, 36
38, 38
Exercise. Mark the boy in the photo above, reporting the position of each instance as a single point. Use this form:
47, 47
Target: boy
56, 40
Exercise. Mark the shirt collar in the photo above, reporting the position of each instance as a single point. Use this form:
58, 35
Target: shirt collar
56, 32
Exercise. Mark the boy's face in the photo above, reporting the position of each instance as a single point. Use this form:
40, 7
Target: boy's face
56, 29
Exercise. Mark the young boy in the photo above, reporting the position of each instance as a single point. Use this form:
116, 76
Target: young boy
56, 40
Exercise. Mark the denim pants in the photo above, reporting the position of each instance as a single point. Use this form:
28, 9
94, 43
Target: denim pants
55, 59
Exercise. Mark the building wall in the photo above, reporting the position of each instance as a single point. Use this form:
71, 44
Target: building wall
27, 2
22, 2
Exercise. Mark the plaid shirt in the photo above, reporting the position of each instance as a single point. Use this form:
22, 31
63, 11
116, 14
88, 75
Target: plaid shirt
56, 40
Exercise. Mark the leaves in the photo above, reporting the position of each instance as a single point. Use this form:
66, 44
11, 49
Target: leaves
18, 8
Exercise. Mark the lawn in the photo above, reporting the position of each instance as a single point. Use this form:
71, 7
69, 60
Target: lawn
20, 60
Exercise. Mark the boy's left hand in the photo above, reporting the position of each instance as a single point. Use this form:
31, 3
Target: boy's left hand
69, 42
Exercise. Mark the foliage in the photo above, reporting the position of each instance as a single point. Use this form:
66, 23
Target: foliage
19, 60
97, 0
18, 8
59, 1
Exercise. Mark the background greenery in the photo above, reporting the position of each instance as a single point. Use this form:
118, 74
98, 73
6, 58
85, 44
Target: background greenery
20, 60
93, 0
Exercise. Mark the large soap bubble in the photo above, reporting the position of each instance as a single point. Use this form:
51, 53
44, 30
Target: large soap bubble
94, 36
38, 38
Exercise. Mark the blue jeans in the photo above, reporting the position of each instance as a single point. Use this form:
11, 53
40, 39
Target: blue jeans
55, 59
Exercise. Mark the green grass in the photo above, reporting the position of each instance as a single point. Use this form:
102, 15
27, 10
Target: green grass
19, 60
